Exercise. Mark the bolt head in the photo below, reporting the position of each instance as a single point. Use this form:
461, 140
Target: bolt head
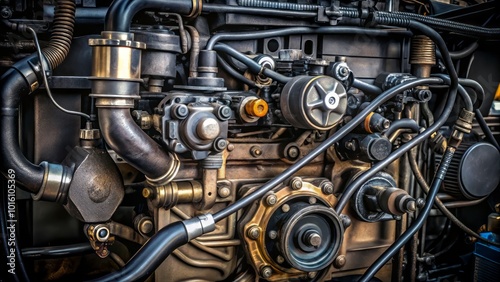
339, 261
285, 208
311, 275
266, 272
272, 234
293, 152
312, 200
280, 259
253, 232
230, 147
296, 183
327, 188
224, 192
220, 144
271, 200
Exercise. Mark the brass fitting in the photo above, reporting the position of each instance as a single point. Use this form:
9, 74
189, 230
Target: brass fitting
462, 126
168, 195
256, 108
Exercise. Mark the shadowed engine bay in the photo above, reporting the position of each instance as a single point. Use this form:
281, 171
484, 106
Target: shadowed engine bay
250, 140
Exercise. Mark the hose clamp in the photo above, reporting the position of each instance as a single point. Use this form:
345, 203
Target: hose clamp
169, 175
56, 180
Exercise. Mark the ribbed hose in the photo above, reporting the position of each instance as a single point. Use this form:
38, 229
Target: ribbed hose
62, 33
277, 5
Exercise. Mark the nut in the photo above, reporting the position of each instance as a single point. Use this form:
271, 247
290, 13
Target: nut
271, 200
340, 261
253, 232
296, 183
266, 272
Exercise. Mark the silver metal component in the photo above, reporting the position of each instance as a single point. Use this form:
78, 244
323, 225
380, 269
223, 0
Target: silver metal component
224, 192
296, 183
273, 234
285, 208
280, 259
253, 232
266, 272
271, 200
208, 128
312, 238
312, 200
313, 102
56, 181
327, 188
198, 226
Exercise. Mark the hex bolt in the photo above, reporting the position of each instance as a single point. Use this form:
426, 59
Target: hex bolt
179, 111
285, 208
312, 238
224, 192
253, 232
266, 272
271, 200
272, 234
230, 147
346, 221
386, 123
327, 188
146, 226
255, 151
224, 113
220, 144
420, 203
339, 262
296, 183
280, 259
293, 152
311, 275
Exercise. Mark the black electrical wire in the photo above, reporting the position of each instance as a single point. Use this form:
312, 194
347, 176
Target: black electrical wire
425, 187
251, 64
468, 105
234, 73
342, 132
41, 58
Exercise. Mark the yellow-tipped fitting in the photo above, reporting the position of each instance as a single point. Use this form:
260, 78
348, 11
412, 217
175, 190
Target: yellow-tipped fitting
256, 108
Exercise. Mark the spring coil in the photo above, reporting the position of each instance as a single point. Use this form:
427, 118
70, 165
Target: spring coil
62, 33
277, 5
422, 51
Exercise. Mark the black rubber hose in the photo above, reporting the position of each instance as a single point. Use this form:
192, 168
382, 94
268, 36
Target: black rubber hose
342, 132
400, 124
475, 86
486, 129
62, 33
57, 251
278, 5
467, 51
468, 105
131, 143
15, 86
234, 73
250, 35
423, 184
121, 12
367, 88
151, 255
419, 221
251, 64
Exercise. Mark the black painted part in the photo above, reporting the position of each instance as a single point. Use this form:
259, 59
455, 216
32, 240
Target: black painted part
121, 12
131, 143
14, 86
151, 255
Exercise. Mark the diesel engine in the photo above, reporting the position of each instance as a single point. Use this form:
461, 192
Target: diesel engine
250, 140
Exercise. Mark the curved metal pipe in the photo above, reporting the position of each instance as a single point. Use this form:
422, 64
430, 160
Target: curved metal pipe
121, 12
131, 143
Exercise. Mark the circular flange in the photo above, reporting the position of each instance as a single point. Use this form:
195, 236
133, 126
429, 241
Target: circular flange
310, 237
313, 102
